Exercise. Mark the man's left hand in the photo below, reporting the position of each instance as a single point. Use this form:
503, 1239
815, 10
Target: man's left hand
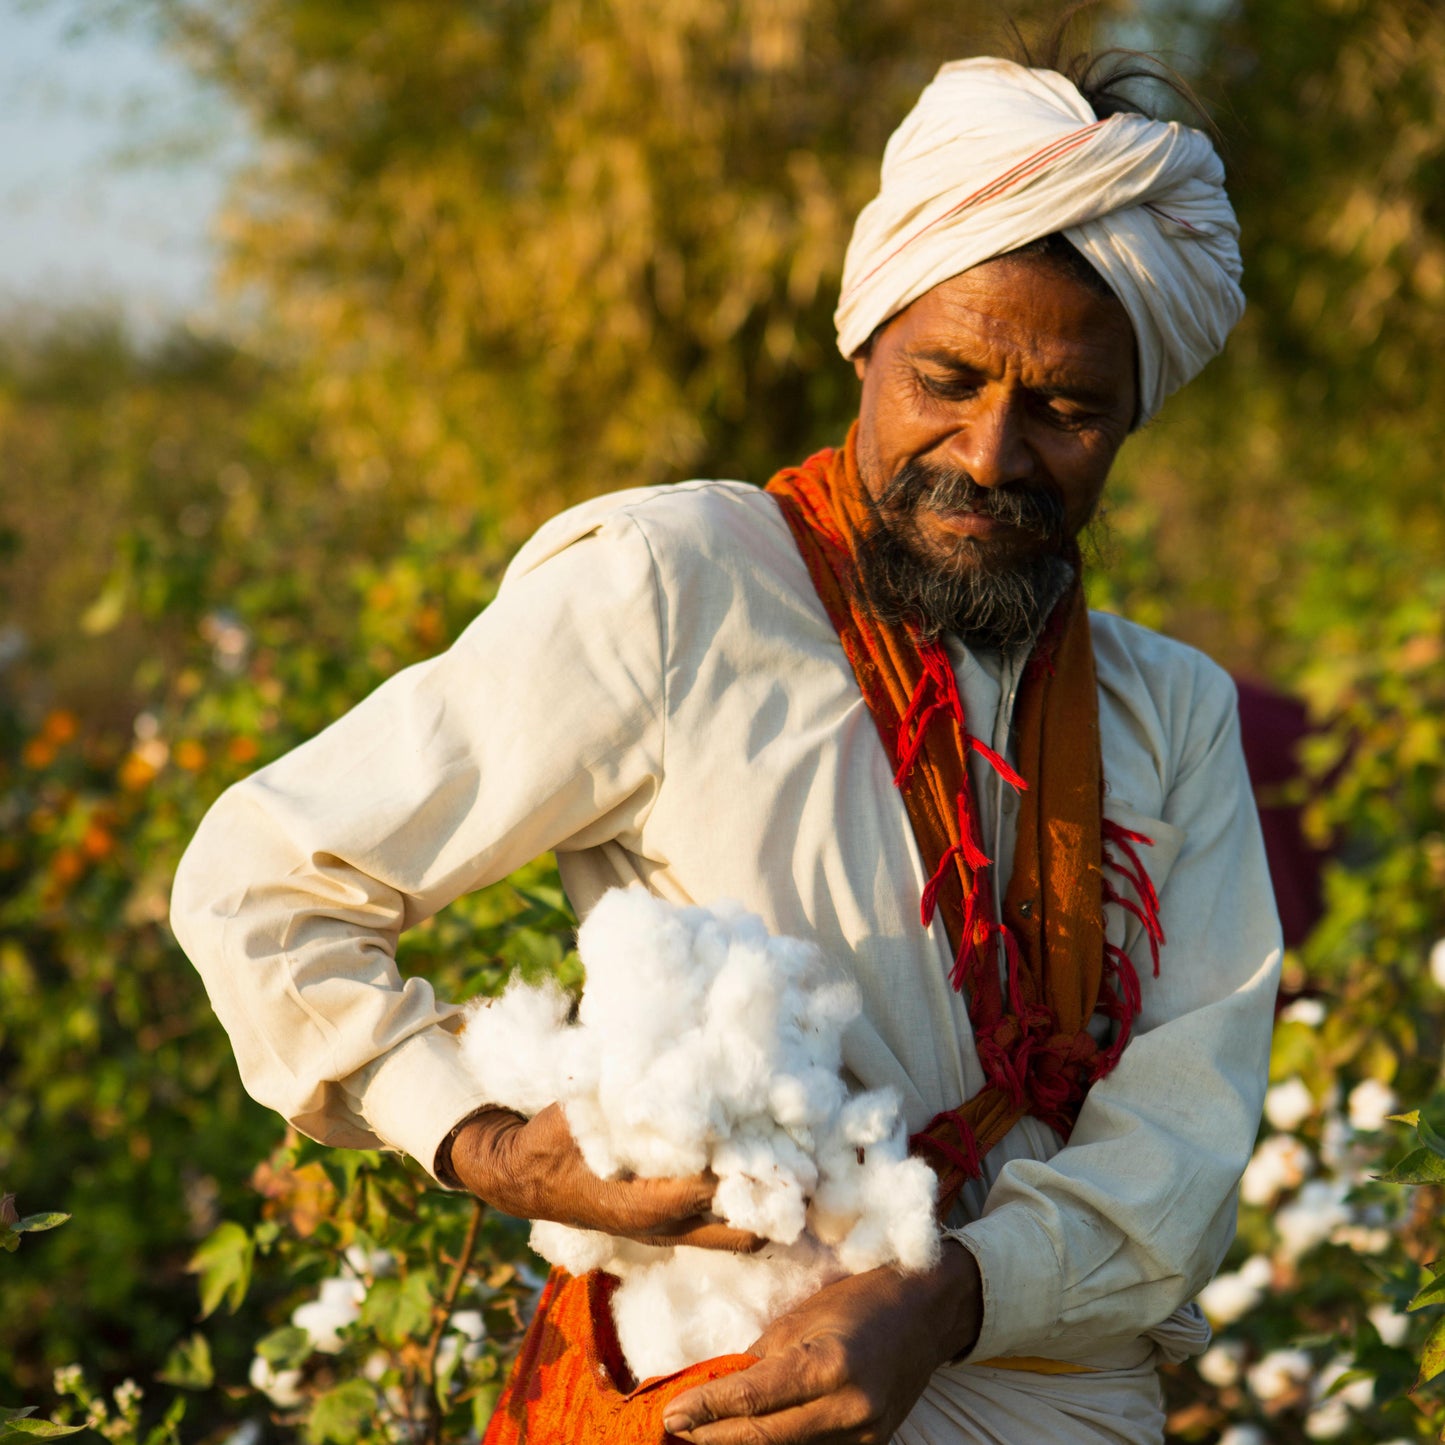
844, 1367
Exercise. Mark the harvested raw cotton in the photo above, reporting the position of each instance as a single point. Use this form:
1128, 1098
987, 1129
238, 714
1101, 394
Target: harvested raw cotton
703, 1042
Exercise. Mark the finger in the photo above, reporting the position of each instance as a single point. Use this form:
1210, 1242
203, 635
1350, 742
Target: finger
816, 1423
636, 1206
702, 1232
779, 1382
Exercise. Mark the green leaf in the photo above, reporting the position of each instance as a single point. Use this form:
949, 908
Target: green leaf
188, 1366
164, 1432
7, 1415
1412, 1118
1432, 1356
343, 1165
9, 1240
286, 1348
224, 1263
1432, 1293
1429, 1138
37, 1223
1419, 1166
397, 1309
104, 614
484, 1405
26, 1429
341, 1415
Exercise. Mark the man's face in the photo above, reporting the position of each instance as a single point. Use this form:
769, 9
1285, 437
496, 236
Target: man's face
992, 410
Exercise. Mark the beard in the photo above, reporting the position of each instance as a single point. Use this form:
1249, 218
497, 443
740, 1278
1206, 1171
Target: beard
992, 593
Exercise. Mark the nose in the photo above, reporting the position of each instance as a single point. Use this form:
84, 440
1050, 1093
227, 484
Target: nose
991, 443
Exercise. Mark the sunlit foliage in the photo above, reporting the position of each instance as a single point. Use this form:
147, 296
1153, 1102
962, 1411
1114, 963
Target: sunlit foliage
497, 257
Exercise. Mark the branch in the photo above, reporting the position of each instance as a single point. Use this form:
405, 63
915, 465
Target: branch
433, 1435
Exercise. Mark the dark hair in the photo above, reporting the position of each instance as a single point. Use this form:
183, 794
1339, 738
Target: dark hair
1100, 75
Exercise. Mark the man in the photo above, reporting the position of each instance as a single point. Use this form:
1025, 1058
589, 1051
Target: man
813, 699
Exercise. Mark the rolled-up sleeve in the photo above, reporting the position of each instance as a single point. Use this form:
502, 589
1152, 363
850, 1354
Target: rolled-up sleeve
542, 724
1127, 1221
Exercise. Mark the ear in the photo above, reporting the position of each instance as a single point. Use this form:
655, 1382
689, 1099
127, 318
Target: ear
860, 363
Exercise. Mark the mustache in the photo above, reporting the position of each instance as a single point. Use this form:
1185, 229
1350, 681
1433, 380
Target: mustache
920, 485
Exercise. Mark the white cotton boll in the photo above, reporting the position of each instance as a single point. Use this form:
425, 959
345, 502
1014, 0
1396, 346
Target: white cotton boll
741, 1031
1362, 1238
870, 1118
1437, 963
510, 1044
1222, 1364
1307, 1011
1389, 1325
469, 1324
1287, 1105
1327, 1421
912, 1234
281, 1387
337, 1306
1278, 1374
1229, 1297
662, 1120
1257, 1271
1337, 1145
593, 1135
701, 1042
1280, 1163
1359, 1394
802, 1102
1370, 1104
1307, 1222
576, 1250
373, 1263
1244, 1435
756, 1164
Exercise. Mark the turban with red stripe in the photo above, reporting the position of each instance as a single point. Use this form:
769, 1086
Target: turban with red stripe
994, 156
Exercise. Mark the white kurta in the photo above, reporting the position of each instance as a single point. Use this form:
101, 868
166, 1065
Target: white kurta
658, 695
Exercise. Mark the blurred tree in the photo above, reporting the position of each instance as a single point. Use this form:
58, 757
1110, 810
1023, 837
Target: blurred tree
1296, 481
532, 252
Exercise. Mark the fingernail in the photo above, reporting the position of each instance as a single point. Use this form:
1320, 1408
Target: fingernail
675, 1423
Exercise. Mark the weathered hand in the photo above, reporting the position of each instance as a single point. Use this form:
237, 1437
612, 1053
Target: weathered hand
533, 1169
846, 1366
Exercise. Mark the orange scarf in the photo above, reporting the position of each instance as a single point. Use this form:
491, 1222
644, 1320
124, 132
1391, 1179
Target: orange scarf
1029, 1015
570, 1382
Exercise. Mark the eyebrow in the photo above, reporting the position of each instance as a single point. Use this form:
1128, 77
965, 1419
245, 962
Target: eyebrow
1102, 397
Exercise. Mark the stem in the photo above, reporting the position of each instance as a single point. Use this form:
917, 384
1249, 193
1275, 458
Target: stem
433, 1435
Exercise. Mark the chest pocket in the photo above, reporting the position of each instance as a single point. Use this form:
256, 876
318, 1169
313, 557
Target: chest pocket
1158, 857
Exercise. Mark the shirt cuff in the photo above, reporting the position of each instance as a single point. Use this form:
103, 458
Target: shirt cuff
418, 1094
1022, 1282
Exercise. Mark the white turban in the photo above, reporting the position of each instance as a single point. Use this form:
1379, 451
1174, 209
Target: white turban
994, 156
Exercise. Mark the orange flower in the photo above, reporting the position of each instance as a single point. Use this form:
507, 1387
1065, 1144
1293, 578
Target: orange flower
98, 842
428, 626
60, 727
190, 755
243, 750
135, 773
38, 753
67, 865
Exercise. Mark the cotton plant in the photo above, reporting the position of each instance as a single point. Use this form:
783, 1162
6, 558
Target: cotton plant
1328, 1313
411, 1301
113, 1415
702, 1042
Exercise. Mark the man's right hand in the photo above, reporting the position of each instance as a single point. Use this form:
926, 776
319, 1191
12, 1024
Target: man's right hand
533, 1169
